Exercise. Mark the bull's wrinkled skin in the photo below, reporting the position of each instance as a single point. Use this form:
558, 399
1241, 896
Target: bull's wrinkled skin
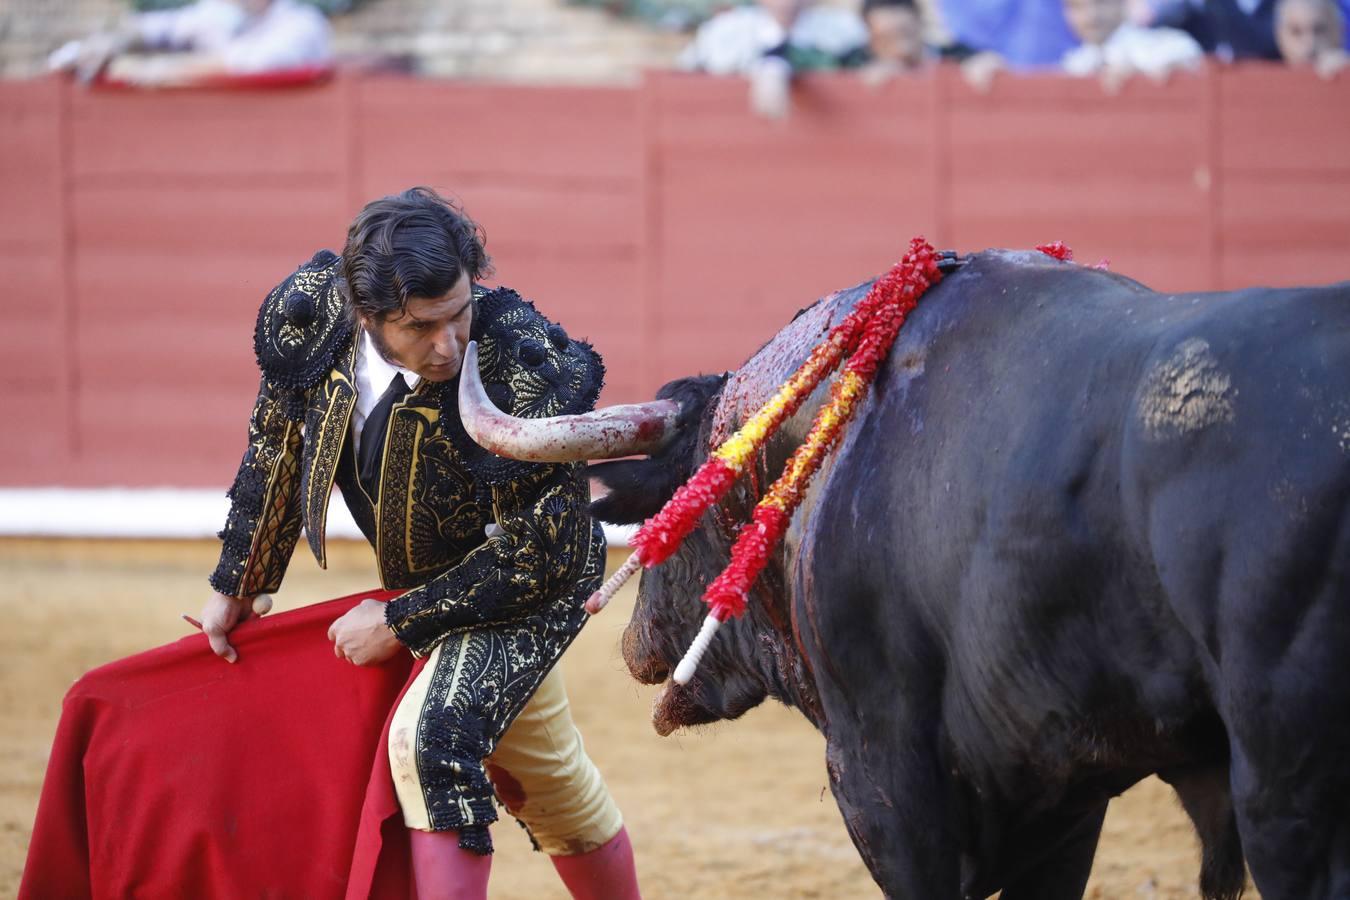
1081, 532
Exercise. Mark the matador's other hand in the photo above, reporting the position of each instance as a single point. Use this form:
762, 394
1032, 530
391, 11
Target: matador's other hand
361, 637
219, 616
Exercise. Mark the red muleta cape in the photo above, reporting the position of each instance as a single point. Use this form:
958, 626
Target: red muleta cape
175, 774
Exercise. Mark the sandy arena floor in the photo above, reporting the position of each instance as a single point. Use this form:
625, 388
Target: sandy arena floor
740, 810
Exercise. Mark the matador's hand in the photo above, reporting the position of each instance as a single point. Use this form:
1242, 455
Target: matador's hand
219, 616
361, 637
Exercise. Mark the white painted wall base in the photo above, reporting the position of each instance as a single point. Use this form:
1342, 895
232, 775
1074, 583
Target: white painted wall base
150, 513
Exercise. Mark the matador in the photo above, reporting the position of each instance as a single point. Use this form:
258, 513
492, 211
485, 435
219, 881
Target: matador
360, 356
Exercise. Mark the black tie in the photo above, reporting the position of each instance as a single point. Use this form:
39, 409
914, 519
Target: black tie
373, 435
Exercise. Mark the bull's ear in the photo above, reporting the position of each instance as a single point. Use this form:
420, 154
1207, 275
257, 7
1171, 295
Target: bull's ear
638, 488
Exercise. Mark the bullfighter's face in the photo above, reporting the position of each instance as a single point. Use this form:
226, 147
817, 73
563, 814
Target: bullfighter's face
430, 335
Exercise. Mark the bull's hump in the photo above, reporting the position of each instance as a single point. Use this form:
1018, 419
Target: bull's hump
1007, 263
1020, 258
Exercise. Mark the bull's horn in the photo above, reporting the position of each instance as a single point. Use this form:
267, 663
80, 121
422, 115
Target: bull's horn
603, 434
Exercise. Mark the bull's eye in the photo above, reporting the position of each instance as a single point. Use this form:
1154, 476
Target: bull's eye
531, 353
558, 337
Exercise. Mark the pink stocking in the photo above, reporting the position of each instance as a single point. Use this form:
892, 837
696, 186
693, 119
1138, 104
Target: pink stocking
442, 871
605, 873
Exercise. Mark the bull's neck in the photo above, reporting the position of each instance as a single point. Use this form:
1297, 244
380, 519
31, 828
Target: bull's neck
746, 391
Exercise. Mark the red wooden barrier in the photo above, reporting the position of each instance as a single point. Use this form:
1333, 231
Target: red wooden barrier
556, 178
140, 230
1283, 148
35, 315
1125, 177
753, 219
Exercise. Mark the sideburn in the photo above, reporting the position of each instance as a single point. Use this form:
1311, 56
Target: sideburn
381, 346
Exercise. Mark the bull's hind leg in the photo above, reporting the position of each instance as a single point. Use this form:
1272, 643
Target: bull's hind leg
1292, 806
1286, 701
1206, 795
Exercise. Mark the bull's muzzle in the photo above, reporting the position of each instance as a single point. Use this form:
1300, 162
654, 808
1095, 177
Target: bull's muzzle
643, 665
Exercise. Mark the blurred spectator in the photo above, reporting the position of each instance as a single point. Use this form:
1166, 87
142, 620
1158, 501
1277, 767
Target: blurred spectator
1311, 33
894, 37
667, 15
1024, 33
1118, 49
772, 40
897, 44
1230, 29
936, 35
807, 36
204, 39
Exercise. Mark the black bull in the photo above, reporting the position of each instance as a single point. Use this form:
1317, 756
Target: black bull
1080, 533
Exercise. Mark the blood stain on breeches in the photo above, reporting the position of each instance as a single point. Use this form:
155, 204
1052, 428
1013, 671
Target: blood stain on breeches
1186, 392
509, 789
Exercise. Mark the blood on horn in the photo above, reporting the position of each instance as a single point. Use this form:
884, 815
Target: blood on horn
627, 430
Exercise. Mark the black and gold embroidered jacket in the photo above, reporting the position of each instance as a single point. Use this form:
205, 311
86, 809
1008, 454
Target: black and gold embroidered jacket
438, 490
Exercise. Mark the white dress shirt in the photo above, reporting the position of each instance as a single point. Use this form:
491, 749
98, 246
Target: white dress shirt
373, 376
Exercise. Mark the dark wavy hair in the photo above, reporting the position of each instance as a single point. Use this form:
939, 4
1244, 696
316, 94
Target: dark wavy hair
413, 244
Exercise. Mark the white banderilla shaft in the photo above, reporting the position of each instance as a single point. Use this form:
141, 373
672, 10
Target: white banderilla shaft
600, 599
685, 670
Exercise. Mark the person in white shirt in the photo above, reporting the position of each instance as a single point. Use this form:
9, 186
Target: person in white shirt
1117, 49
204, 39
771, 40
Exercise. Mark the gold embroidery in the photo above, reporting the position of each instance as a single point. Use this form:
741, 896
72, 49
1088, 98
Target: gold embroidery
279, 526
428, 515
263, 523
326, 424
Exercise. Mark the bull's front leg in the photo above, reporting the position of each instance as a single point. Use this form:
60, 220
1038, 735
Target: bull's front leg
1060, 848
877, 668
890, 790
881, 706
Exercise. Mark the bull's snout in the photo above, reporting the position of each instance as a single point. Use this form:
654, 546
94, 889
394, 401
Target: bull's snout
642, 663
675, 706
